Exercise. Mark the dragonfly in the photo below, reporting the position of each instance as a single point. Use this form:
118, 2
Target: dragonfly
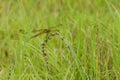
38, 32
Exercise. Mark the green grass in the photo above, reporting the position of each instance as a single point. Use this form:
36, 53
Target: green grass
91, 28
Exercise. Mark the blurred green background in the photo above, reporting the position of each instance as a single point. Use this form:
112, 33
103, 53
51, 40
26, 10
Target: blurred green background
90, 27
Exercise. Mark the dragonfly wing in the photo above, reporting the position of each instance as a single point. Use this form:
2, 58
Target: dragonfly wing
41, 32
37, 34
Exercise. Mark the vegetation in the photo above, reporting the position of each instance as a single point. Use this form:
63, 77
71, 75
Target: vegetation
91, 30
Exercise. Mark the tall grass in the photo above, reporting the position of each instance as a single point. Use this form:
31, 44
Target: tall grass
90, 27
